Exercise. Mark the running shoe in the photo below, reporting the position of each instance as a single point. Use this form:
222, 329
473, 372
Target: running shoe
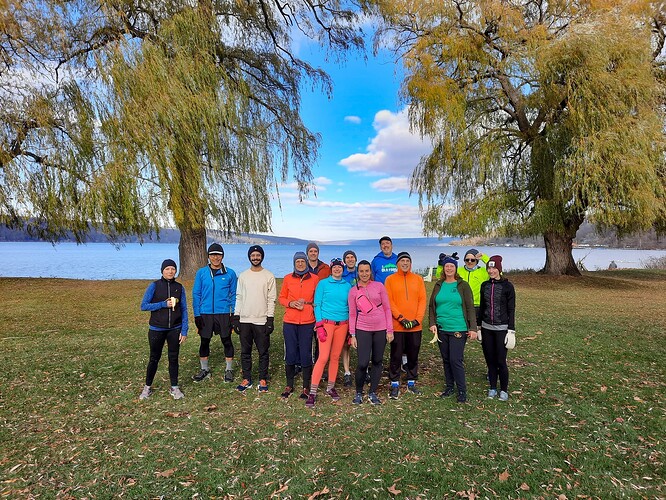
228, 376
492, 393
462, 397
348, 380
310, 403
358, 399
146, 393
244, 385
412, 388
333, 393
504, 396
176, 393
304, 394
287, 392
263, 386
395, 392
374, 399
202, 375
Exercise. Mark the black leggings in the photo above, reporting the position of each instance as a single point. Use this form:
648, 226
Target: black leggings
452, 349
492, 342
156, 341
369, 345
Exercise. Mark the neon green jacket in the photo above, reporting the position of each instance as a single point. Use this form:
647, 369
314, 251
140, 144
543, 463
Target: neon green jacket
475, 278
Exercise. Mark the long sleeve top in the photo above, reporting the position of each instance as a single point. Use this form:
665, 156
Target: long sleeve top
378, 318
255, 296
330, 300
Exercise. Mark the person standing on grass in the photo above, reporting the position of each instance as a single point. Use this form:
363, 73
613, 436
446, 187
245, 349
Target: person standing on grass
297, 297
407, 295
167, 303
349, 274
384, 263
452, 319
370, 326
498, 326
213, 301
254, 317
332, 321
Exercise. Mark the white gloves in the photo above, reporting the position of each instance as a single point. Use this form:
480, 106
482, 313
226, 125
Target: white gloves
510, 339
478, 335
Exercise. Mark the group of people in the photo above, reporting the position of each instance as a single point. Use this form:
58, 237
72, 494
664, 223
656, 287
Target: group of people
346, 303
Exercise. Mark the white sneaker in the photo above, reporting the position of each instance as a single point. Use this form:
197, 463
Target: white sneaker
504, 396
147, 391
492, 393
176, 393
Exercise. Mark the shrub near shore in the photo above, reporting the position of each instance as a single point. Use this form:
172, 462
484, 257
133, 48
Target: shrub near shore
585, 418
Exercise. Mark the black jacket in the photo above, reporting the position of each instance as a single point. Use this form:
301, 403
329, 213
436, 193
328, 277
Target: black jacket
498, 303
166, 317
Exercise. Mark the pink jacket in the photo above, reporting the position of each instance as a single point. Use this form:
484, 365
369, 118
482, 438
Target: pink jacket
369, 308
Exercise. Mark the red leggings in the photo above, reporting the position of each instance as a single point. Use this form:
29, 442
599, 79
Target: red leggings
337, 334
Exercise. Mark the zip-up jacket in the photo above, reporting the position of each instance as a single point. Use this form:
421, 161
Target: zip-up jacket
383, 266
162, 317
330, 300
467, 303
498, 303
407, 295
214, 291
378, 318
475, 277
350, 276
321, 270
296, 287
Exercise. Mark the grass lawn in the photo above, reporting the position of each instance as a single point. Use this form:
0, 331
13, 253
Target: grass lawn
585, 418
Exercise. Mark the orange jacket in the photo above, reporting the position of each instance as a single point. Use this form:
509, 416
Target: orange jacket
407, 294
293, 288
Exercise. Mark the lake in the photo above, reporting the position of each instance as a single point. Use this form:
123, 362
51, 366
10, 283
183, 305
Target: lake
103, 261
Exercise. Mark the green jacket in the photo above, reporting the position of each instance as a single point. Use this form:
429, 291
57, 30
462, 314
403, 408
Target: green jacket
475, 278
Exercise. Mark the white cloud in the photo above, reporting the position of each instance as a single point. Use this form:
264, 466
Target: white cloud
353, 119
391, 184
394, 150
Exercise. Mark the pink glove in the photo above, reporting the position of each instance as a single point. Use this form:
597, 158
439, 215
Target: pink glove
321, 331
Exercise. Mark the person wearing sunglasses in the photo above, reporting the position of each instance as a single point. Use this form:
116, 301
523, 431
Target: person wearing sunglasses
332, 322
474, 273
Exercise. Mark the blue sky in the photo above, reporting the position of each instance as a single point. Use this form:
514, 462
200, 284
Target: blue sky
367, 156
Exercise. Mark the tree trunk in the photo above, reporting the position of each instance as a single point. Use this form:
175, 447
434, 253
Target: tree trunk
192, 251
559, 258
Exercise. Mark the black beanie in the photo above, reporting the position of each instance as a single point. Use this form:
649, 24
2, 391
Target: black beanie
256, 248
215, 248
404, 255
167, 263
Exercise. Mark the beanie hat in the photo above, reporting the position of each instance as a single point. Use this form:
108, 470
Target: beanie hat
385, 238
301, 256
404, 255
215, 249
496, 262
167, 263
336, 262
348, 252
451, 259
255, 248
472, 251
312, 244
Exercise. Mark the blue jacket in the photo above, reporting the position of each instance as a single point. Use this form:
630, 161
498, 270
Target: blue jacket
383, 266
330, 300
214, 295
350, 276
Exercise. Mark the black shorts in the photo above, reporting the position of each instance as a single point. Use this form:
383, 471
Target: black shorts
216, 324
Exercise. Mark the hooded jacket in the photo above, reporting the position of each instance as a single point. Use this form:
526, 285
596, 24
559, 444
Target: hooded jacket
383, 266
407, 295
296, 287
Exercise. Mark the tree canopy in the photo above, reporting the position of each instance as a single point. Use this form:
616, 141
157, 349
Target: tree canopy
127, 115
542, 114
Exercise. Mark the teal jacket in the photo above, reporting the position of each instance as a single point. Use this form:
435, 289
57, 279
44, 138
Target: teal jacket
330, 300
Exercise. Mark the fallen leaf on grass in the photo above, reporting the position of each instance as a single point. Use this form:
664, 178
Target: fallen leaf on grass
619, 419
282, 489
524, 487
636, 398
392, 490
166, 473
319, 493
562, 496
177, 414
504, 475
604, 388
210, 408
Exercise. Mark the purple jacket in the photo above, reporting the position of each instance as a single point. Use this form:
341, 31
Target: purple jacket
369, 308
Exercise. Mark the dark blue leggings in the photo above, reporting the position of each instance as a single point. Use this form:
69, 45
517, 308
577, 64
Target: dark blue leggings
452, 349
156, 341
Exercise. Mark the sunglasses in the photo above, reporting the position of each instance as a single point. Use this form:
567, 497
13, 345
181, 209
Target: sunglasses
470, 260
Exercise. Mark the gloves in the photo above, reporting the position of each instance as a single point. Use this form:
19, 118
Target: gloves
409, 324
478, 335
321, 331
235, 323
510, 339
199, 322
270, 325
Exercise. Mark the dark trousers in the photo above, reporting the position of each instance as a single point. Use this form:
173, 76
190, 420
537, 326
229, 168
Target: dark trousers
156, 341
216, 324
298, 351
452, 349
409, 344
254, 334
492, 342
370, 346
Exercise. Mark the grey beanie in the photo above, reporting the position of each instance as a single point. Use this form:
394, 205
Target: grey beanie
312, 244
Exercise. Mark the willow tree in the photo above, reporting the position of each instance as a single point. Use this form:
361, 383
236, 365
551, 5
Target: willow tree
155, 113
542, 114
